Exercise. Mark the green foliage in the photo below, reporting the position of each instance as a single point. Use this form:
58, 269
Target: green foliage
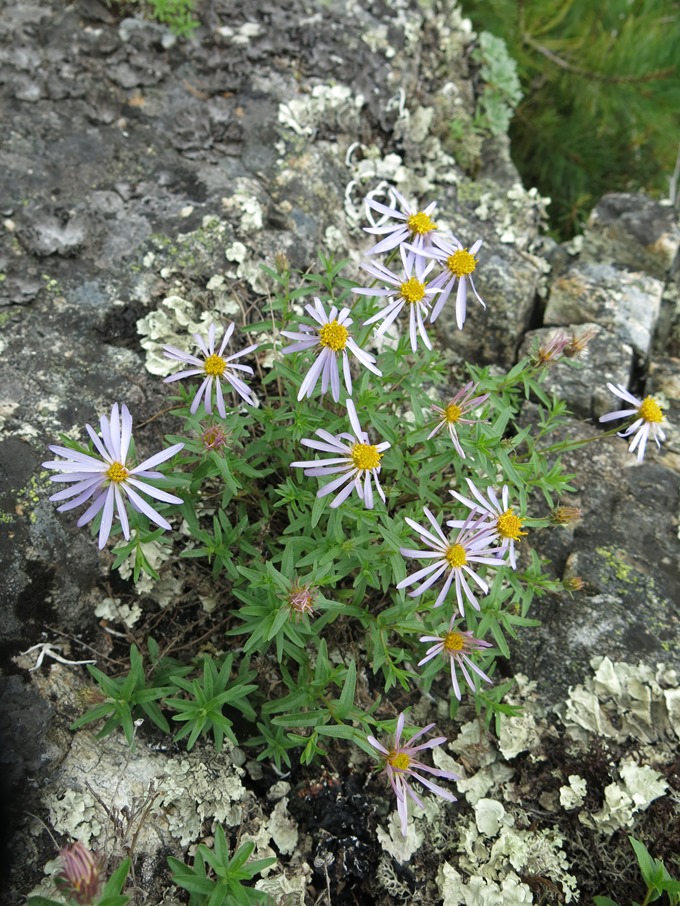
201, 709
656, 877
601, 96
215, 879
178, 15
125, 700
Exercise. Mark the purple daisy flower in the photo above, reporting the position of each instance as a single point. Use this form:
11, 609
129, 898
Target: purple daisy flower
402, 764
214, 365
408, 288
459, 264
503, 525
330, 335
411, 224
109, 480
455, 558
649, 418
451, 415
457, 646
357, 462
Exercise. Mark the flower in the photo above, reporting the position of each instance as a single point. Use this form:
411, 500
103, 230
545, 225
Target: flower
80, 874
331, 337
409, 288
459, 264
108, 479
401, 763
456, 646
214, 437
411, 224
358, 462
471, 545
463, 402
214, 366
301, 599
503, 525
648, 421
553, 350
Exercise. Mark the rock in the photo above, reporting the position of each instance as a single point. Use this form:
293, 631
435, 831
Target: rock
633, 231
627, 303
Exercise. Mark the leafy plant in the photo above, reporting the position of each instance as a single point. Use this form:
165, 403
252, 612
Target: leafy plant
656, 877
201, 711
215, 879
125, 700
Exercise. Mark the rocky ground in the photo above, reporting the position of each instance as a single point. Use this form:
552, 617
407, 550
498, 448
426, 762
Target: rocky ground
143, 181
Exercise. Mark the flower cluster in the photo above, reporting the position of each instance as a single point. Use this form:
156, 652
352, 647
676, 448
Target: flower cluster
419, 240
461, 560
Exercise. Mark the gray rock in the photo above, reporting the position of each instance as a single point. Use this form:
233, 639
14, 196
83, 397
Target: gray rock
624, 302
508, 282
633, 231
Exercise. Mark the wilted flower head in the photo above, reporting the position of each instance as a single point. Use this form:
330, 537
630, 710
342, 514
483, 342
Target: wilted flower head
577, 344
648, 421
408, 224
566, 515
79, 878
330, 337
457, 646
401, 763
214, 437
301, 598
108, 479
357, 461
553, 350
453, 414
573, 583
214, 366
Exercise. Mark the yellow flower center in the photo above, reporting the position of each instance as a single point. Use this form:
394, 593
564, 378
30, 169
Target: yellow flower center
365, 456
455, 556
650, 410
419, 224
334, 336
214, 365
453, 641
461, 263
399, 760
509, 525
117, 472
452, 413
413, 290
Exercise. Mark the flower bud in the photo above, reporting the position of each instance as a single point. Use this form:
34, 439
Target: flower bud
80, 875
573, 583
